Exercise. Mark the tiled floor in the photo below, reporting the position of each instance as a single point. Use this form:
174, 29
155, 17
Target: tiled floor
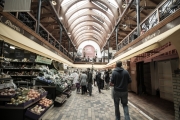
156, 108
97, 107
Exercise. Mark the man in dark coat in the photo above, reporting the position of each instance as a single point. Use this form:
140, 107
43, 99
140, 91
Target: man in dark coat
98, 80
89, 81
106, 73
120, 80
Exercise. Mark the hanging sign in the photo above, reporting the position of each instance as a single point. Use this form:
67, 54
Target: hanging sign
44, 60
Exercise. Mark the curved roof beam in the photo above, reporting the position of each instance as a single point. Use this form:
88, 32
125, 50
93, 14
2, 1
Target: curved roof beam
84, 22
90, 6
89, 37
89, 24
89, 19
88, 31
85, 28
109, 24
105, 2
88, 40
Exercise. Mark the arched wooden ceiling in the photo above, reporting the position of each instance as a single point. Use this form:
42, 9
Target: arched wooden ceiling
99, 17
85, 20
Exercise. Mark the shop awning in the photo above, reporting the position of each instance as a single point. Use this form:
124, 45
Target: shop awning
170, 35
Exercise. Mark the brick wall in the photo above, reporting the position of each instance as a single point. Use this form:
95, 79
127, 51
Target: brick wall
176, 95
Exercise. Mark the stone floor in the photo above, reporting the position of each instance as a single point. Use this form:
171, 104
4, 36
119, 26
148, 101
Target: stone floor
155, 107
96, 107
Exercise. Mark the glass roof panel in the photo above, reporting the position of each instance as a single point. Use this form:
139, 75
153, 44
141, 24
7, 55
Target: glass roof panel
101, 14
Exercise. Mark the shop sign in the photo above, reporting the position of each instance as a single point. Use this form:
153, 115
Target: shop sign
10, 24
44, 60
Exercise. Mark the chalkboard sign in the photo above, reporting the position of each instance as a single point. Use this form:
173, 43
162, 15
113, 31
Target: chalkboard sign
19, 54
32, 57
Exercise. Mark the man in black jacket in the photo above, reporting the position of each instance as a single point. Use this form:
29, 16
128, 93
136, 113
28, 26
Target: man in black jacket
120, 80
89, 80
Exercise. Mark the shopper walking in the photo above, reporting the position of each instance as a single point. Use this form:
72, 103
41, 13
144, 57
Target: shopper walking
94, 77
89, 81
83, 82
107, 79
120, 80
98, 80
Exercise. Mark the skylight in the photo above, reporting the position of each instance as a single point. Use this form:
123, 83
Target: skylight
98, 19
97, 28
100, 5
101, 14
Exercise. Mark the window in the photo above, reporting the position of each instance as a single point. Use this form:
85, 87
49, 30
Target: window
102, 14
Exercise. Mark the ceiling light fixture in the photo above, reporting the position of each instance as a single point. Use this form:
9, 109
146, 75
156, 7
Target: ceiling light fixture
124, 26
61, 18
124, 6
53, 2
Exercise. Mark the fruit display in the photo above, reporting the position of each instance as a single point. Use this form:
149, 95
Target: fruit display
7, 92
37, 109
33, 94
45, 102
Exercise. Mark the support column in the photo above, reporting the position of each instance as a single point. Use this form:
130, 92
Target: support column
138, 17
38, 16
104, 54
117, 28
108, 51
60, 37
69, 48
73, 53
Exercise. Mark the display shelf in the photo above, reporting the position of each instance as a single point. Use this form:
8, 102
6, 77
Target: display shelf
38, 117
20, 62
14, 107
5, 79
23, 76
5, 99
64, 90
35, 69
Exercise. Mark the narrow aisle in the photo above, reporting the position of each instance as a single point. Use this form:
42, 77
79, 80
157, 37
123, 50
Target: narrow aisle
96, 107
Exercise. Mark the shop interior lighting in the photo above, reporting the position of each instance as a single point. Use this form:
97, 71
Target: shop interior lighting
12, 47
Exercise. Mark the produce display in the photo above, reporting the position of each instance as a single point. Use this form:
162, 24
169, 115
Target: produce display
23, 95
32, 94
53, 78
37, 109
7, 92
45, 102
